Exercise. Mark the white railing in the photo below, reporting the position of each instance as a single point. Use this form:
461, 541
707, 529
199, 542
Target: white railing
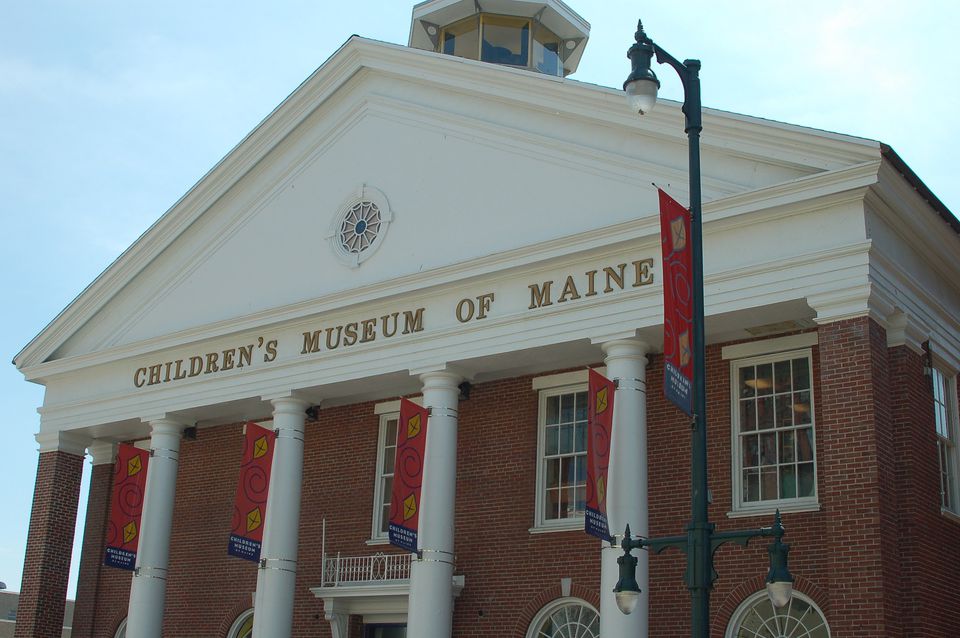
361, 570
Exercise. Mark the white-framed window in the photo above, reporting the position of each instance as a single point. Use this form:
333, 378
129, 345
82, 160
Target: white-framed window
386, 455
242, 627
774, 442
756, 617
566, 618
945, 417
562, 457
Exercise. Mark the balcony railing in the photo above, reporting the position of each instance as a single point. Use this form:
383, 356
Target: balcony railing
365, 570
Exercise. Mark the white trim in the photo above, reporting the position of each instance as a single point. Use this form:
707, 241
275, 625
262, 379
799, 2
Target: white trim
576, 377
238, 623
745, 607
121, 629
758, 508
951, 439
540, 523
770, 346
377, 536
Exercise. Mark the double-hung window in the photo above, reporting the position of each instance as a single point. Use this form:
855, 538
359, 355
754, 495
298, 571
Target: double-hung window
945, 417
774, 444
562, 457
386, 455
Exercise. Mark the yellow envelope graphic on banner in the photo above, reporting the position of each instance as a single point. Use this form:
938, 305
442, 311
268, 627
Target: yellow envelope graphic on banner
678, 233
601, 490
409, 507
254, 519
685, 353
129, 531
413, 426
602, 400
134, 466
260, 447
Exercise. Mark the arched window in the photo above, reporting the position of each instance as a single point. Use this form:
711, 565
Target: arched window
242, 627
756, 617
566, 618
121, 630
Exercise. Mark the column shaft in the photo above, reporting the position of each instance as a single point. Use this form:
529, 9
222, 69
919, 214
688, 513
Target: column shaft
149, 585
627, 485
430, 612
46, 565
276, 579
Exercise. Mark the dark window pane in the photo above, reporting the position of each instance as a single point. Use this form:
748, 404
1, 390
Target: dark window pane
580, 437
805, 444
551, 440
784, 403
751, 485
566, 408
765, 412
566, 438
748, 415
580, 414
751, 451
506, 40
781, 376
551, 505
805, 483
553, 410
787, 447
748, 382
788, 482
768, 484
768, 448
801, 374
801, 408
552, 478
764, 381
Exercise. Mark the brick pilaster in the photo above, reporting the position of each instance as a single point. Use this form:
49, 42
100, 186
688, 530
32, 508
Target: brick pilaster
46, 566
91, 557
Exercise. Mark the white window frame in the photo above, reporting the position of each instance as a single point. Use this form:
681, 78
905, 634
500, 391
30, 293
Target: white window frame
541, 523
799, 503
944, 383
121, 631
533, 630
733, 627
377, 536
239, 622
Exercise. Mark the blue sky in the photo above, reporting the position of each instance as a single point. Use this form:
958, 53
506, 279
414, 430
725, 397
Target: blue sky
112, 110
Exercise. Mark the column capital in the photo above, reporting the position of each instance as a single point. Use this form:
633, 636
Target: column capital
68, 442
625, 348
164, 425
102, 452
441, 379
290, 405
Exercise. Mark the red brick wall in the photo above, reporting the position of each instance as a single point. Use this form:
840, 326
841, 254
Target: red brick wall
91, 559
878, 558
46, 565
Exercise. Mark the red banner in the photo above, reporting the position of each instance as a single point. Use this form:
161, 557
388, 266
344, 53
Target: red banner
250, 504
677, 303
408, 475
600, 396
126, 506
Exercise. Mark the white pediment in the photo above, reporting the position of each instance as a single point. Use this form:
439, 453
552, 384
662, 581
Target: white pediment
470, 161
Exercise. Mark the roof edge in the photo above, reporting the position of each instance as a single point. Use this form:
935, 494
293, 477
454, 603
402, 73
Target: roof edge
922, 189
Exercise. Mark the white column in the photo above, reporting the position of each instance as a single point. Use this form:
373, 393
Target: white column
627, 492
430, 611
273, 606
149, 586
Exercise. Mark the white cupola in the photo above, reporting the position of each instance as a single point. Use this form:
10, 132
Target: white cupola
545, 36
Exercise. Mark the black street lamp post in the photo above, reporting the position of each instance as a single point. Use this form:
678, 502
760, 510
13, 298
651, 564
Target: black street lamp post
701, 539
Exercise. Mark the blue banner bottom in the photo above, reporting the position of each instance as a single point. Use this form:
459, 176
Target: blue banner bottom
678, 388
120, 558
595, 524
244, 548
403, 538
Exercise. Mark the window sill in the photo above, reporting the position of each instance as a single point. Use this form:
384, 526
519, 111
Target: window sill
378, 541
950, 515
572, 527
769, 510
